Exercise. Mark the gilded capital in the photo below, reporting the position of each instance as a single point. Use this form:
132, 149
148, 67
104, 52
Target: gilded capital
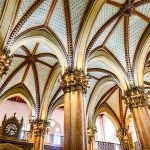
121, 133
76, 80
5, 61
136, 98
39, 127
91, 135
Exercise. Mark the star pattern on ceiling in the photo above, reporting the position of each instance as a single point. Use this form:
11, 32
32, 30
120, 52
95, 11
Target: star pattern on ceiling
117, 29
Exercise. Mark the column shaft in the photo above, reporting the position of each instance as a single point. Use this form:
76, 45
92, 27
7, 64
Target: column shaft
142, 124
67, 121
75, 136
137, 100
74, 84
38, 143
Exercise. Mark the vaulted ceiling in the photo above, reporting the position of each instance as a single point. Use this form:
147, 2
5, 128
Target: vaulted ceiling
117, 29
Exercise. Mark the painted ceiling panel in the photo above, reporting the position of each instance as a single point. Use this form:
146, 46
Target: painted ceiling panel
77, 8
44, 49
30, 46
2, 4
116, 43
38, 17
48, 60
107, 86
24, 6
136, 28
100, 65
104, 15
103, 36
30, 83
113, 102
15, 80
43, 74
92, 84
57, 22
97, 74
144, 9
147, 77
20, 51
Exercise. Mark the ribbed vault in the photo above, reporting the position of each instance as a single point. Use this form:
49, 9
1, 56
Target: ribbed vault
103, 37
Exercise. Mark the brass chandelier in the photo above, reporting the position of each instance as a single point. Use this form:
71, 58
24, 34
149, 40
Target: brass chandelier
5, 61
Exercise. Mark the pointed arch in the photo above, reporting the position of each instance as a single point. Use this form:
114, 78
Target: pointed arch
22, 91
112, 64
47, 96
85, 32
142, 51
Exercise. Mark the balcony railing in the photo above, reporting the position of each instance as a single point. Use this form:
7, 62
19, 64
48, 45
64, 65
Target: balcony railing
58, 140
54, 139
106, 146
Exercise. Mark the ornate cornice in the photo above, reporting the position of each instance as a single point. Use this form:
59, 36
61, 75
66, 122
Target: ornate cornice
136, 97
76, 80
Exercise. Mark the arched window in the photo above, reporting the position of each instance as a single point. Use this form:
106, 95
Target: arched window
106, 131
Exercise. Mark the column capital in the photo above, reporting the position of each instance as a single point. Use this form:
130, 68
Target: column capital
91, 135
121, 133
75, 80
136, 97
5, 61
39, 127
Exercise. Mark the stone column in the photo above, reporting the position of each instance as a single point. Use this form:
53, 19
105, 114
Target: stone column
137, 100
39, 129
91, 138
74, 85
122, 134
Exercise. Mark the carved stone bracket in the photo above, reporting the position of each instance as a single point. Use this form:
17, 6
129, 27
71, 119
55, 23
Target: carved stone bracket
39, 127
91, 135
76, 80
136, 98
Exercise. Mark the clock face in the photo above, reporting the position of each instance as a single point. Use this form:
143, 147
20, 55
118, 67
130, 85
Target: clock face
11, 129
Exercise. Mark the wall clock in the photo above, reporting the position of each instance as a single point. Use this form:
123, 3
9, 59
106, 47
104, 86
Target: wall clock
11, 129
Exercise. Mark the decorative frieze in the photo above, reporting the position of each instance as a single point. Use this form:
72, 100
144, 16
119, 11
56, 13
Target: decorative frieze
136, 98
75, 80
